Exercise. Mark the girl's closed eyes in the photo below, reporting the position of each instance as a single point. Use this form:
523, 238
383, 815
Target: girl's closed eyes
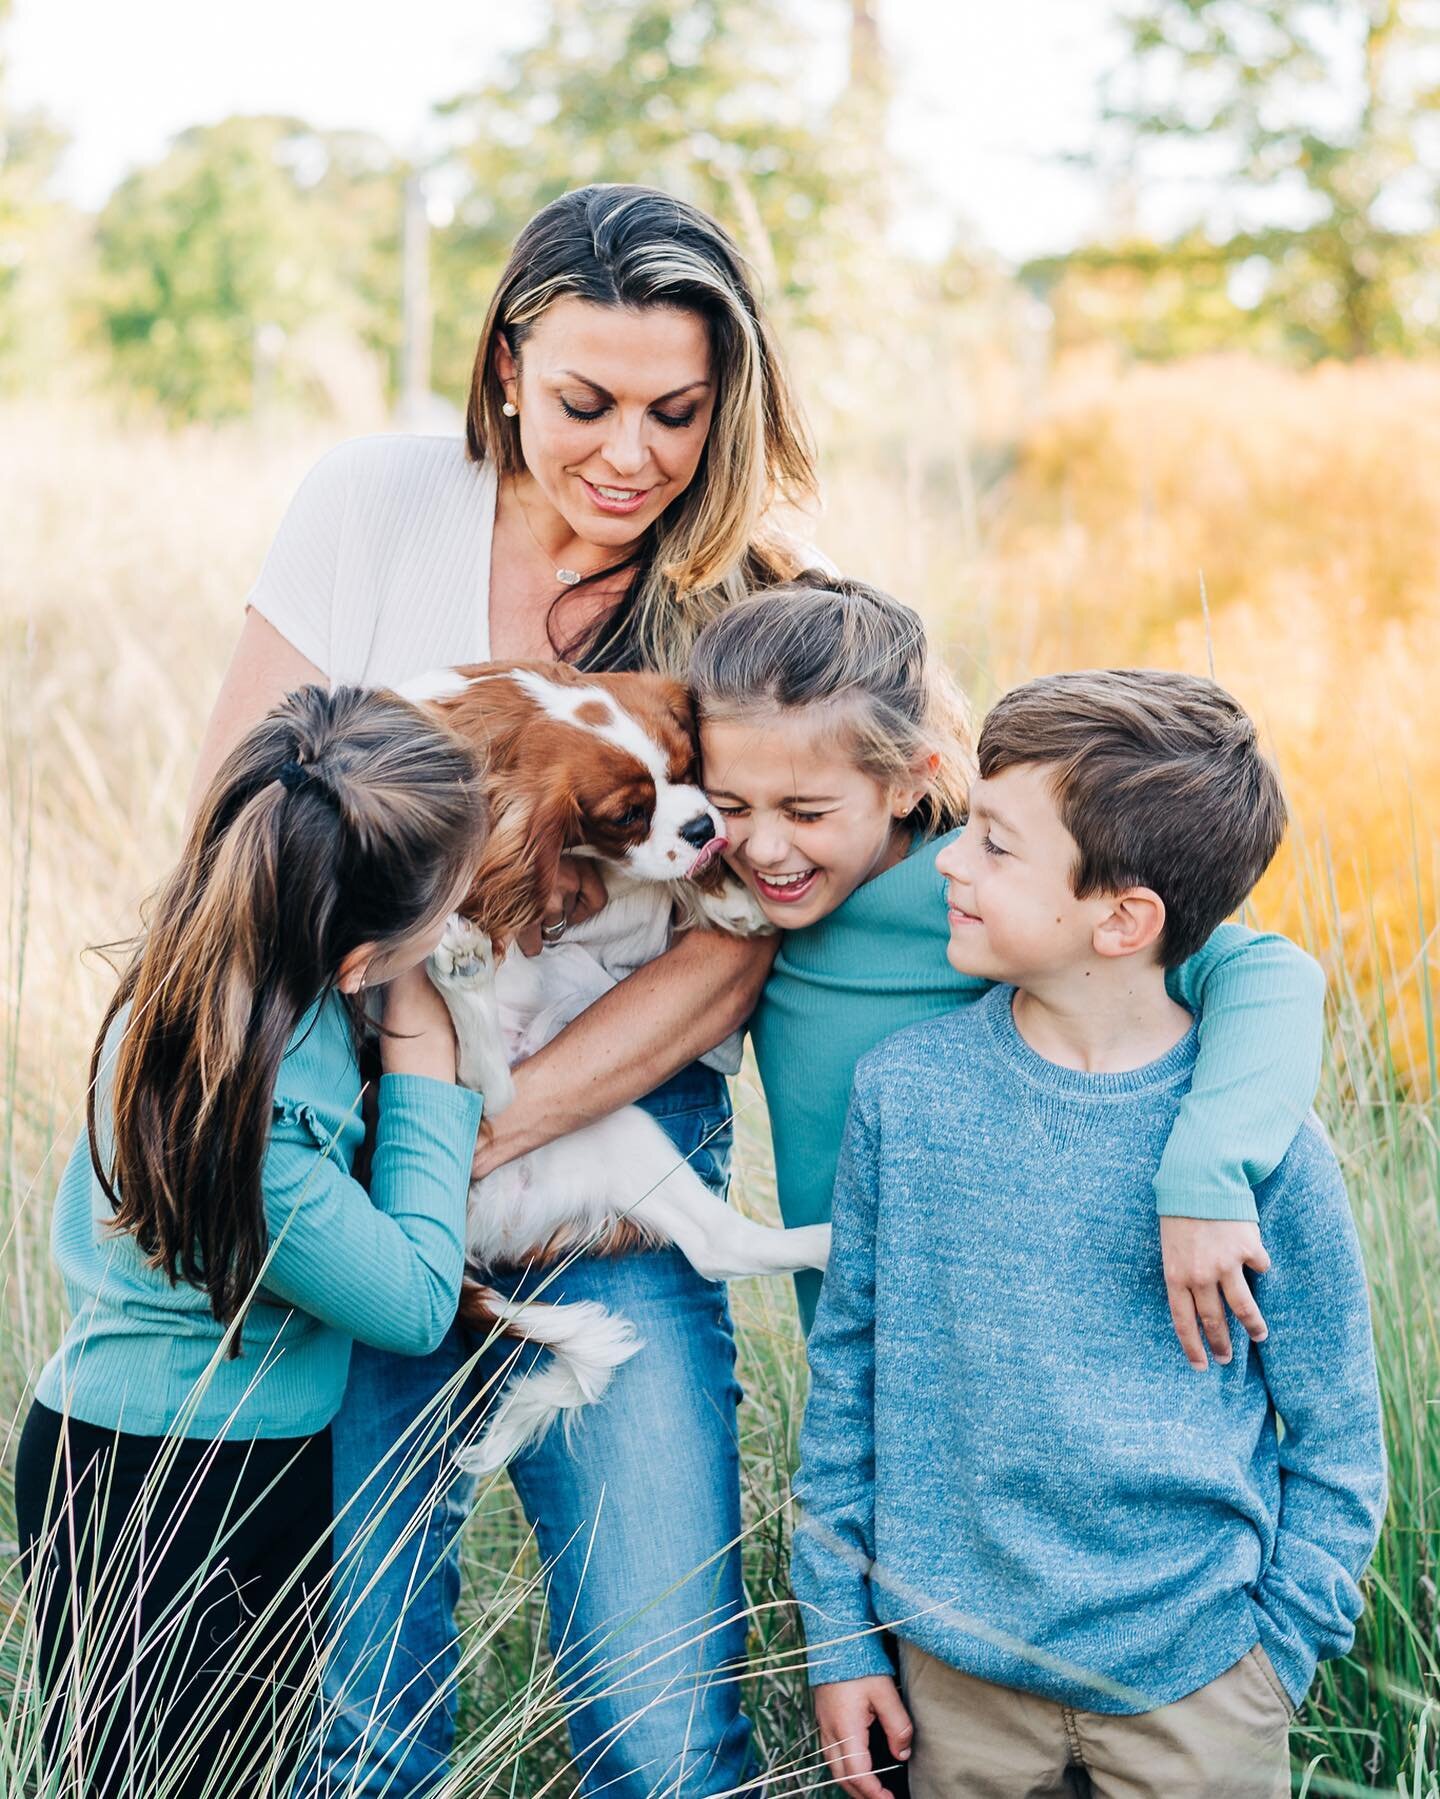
801, 861
823, 776
735, 810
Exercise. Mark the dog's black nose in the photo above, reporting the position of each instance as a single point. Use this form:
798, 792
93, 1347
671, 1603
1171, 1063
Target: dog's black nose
699, 831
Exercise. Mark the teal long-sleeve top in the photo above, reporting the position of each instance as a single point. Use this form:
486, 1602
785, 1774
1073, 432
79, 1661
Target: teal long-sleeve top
147, 1356
877, 963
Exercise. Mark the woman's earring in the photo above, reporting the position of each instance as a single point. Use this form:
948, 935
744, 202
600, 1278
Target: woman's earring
510, 409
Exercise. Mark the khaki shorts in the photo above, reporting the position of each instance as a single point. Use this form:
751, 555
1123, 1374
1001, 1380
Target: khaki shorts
975, 1740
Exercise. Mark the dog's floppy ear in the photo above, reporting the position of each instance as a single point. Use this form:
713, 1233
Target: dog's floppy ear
521, 861
664, 703
681, 707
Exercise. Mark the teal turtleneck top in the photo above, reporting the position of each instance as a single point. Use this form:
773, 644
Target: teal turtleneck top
877, 964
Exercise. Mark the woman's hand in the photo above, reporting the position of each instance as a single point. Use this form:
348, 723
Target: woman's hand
578, 894
418, 1037
495, 1146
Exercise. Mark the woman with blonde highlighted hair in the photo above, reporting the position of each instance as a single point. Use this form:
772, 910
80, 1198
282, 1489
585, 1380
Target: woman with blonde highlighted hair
628, 431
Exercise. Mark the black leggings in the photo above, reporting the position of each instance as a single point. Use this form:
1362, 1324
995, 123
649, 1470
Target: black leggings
151, 1563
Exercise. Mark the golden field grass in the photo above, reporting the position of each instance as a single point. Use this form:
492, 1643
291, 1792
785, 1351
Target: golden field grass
1306, 510
1280, 528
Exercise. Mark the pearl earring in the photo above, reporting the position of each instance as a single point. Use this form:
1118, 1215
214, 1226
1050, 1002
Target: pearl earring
510, 409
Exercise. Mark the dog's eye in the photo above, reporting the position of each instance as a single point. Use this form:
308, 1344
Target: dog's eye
634, 816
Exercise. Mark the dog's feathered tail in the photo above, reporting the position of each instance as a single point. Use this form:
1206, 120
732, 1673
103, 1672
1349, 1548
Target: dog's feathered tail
586, 1343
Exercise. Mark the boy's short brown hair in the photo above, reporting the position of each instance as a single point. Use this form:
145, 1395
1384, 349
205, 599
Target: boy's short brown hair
1159, 779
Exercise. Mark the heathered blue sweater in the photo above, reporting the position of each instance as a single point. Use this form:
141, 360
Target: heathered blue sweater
145, 1356
1005, 1459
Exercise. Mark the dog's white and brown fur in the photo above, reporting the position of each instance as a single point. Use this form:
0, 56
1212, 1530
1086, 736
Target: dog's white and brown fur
602, 766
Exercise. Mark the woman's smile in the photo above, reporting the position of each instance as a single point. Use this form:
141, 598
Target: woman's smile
616, 500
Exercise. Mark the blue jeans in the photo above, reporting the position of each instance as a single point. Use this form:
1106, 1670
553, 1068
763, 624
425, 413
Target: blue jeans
637, 1521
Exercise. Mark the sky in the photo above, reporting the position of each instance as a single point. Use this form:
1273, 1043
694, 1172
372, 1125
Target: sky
989, 97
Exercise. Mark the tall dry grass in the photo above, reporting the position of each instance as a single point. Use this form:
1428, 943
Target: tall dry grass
1280, 526
1310, 507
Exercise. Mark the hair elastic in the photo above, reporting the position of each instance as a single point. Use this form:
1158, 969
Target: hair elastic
292, 775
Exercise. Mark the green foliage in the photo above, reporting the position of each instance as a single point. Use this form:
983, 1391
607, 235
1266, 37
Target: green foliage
237, 270
29, 225
701, 97
1306, 120
42, 248
215, 258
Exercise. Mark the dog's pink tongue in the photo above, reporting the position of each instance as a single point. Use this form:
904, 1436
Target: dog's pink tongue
716, 847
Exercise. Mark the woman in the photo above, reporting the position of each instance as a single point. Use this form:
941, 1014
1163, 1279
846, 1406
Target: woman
629, 425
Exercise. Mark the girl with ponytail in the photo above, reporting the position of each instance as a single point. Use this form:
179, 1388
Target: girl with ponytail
173, 1478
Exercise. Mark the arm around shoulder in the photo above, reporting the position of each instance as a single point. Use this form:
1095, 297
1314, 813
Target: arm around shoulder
1260, 1003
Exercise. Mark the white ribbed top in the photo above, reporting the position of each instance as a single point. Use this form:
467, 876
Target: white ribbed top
381, 567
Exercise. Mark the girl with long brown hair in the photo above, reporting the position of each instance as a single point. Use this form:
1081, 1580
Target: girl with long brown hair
173, 1478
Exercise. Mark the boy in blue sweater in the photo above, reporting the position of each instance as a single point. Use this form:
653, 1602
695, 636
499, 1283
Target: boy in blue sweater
1106, 1572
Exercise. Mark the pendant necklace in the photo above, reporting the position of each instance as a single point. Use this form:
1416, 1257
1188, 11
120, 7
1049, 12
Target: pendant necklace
567, 577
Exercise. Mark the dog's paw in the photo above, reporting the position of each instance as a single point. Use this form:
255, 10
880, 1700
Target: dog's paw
464, 956
732, 908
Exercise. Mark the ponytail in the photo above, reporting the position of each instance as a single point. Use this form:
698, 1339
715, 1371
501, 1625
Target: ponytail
342, 819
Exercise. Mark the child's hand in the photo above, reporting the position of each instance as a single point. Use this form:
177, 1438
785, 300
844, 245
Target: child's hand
1205, 1262
844, 1710
423, 1039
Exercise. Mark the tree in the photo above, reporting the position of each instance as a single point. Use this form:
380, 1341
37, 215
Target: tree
1305, 122
42, 246
244, 236
705, 98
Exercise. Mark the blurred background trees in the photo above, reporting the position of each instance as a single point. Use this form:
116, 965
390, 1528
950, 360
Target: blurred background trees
1311, 132
43, 245
257, 265
248, 239
700, 99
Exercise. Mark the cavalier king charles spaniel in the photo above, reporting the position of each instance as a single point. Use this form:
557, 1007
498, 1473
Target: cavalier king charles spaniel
600, 766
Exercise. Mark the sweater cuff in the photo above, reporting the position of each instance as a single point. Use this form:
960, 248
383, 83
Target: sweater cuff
1291, 1655
848, 1650
441, 1106
1213, 1203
